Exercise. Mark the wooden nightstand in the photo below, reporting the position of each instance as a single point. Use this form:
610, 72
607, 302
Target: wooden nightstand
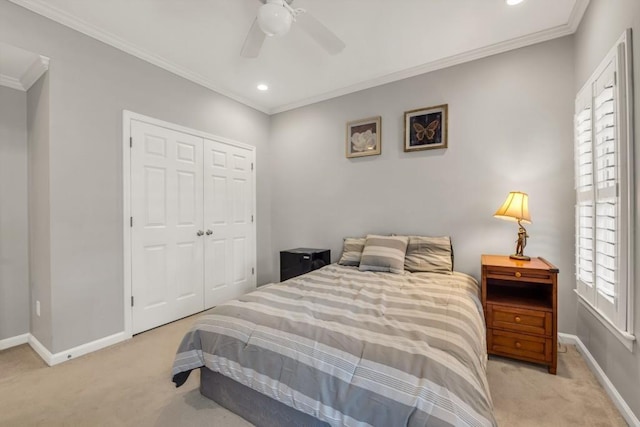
520, 301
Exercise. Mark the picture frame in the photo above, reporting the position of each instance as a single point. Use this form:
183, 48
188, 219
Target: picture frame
363, 137
426, 128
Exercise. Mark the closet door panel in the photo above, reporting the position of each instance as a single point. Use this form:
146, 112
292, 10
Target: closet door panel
216, 264
240, 260
167, 211
228, 201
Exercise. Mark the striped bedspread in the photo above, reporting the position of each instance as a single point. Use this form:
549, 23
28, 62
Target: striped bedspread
354, 348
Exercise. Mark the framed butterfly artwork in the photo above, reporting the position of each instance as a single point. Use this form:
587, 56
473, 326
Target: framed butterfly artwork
363, 137
425, 128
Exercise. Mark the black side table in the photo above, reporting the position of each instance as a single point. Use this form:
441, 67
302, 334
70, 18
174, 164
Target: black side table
295, 262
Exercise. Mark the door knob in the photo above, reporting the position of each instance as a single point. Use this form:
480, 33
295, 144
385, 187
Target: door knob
200, 233
209, 232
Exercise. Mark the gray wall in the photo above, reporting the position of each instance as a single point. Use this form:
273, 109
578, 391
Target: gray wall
510, 128
38, 130
90, 84
14, 255
603, 24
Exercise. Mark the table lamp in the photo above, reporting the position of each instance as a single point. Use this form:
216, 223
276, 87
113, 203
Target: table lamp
516, 208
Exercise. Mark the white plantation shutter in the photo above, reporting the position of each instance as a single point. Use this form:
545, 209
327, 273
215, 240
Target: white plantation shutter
606, 180
584, 197
603, 189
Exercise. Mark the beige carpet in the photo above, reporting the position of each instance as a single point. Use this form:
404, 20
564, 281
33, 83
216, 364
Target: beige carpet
128, 385
526, 395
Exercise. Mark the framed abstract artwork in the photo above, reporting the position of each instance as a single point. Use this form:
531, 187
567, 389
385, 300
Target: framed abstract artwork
425, 128
363, 137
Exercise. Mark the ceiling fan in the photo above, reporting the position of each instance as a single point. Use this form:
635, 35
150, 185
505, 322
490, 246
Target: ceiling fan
274, 20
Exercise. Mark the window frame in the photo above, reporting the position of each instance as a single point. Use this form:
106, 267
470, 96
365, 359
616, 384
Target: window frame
618, 316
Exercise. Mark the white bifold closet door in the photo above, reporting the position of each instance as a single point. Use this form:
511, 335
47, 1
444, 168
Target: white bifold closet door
192, 233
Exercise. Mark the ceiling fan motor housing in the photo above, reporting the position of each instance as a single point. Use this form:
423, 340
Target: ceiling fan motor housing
274, 18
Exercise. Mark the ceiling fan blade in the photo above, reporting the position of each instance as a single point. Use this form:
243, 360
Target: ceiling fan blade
253, 42
321, 34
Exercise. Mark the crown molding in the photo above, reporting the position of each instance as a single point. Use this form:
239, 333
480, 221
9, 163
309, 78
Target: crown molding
68, 20
472, 55
34, 72
40, 7
577, 14
11, 82
29, 77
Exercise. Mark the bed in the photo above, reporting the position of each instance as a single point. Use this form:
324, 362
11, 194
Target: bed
344, 347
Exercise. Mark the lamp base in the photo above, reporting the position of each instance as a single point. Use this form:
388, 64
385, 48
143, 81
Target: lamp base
520, 257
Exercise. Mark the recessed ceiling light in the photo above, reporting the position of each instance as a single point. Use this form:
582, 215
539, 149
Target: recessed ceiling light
263, 87
514, 2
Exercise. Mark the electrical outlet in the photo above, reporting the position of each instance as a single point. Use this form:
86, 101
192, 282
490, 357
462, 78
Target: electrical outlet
38, 308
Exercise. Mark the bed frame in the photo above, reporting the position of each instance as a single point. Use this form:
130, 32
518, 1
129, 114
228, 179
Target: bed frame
255, 407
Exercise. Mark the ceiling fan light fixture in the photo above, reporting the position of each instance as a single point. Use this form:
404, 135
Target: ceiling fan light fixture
274, 19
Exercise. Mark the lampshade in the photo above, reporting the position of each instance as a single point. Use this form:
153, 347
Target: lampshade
274, 19
515, 208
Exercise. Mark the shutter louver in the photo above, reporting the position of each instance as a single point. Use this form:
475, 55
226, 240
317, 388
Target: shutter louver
584, 154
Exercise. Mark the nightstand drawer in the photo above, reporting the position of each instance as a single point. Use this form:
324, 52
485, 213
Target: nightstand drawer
520, 320
519, 274
535, 349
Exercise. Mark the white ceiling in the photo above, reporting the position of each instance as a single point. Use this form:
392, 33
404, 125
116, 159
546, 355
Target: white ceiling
386, 40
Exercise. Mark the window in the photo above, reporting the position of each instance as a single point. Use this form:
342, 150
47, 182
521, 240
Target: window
604, 191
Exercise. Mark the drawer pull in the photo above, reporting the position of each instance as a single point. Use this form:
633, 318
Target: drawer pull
518, 345
518, 319
518, 274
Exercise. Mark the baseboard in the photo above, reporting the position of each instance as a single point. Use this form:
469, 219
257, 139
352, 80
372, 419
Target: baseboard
89, 347
40, 349
14, 341
57, 358
606, 383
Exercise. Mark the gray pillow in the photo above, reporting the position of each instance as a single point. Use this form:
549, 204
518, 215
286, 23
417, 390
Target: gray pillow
429, 254
352, 251
384, 253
